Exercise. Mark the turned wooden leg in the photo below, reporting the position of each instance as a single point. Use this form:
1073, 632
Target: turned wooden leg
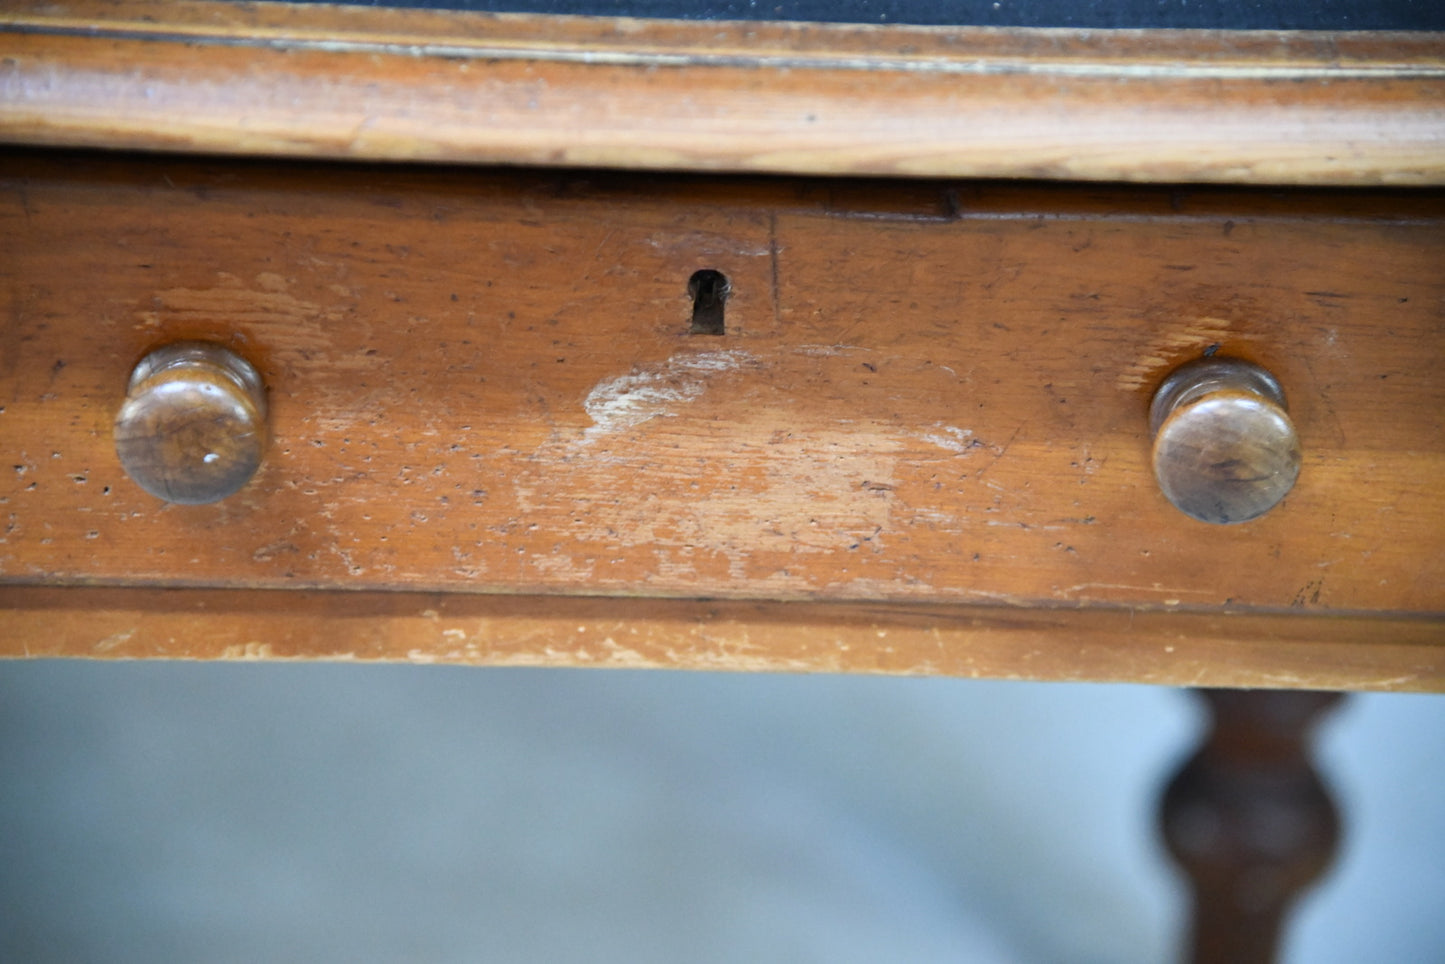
1250, 821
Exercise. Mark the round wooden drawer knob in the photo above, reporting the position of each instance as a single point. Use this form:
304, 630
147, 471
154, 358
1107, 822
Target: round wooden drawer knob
193, 426
1224, 447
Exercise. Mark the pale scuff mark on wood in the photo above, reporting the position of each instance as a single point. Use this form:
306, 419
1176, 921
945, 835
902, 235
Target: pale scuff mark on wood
821, 493
113, 640
828, 351
957, 440
1162, 594
564, 567
245, 652
625, 401
865, 589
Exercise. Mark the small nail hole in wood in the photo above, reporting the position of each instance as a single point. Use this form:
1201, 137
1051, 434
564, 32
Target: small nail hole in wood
709, 290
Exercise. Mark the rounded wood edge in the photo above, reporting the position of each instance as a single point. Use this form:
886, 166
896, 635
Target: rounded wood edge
343, 83
1290, 650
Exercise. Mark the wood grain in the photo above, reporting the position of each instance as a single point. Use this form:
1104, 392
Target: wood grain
338, 82
485, 382
1280, 651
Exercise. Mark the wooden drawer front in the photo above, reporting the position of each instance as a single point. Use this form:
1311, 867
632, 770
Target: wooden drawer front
486, 381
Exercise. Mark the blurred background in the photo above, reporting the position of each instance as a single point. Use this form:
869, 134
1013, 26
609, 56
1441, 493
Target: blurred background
181, 812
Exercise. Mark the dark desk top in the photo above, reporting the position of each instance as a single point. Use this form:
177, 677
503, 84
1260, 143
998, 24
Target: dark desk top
1181, 14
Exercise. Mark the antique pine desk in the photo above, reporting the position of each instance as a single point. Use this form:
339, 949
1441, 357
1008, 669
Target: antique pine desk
763, 347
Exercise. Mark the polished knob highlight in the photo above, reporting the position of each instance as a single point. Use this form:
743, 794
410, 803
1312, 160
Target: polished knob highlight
1225, 449
193, 425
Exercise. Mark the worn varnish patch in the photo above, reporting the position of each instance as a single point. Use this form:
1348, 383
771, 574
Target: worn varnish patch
623, 402
486, 383
1293, 649
1174, 342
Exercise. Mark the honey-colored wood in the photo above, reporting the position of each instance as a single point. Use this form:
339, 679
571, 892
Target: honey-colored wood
338, 82
1280, 650
192, 428
1225, 450
485, 382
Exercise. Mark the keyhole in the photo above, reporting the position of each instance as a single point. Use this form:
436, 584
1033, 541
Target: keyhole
709, 290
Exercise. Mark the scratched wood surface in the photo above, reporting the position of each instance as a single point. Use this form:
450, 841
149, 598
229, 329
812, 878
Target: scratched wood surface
1278, 651
351, 82
485, 382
